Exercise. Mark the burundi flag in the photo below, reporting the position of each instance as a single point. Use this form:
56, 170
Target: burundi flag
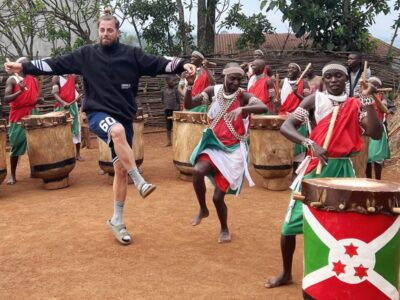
348, 255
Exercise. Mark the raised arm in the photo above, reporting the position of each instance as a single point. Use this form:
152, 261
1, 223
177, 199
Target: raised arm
65, 64
9, 96
370, 122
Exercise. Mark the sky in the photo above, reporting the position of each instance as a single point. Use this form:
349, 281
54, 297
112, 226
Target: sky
381, 29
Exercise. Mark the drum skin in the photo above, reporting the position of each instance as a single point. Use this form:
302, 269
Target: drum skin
3, 144
187, 131
270, 152
50, 148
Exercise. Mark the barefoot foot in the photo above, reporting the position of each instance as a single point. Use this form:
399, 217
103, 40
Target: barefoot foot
11, 181
197, 219
224, 237
79, 158
278, 281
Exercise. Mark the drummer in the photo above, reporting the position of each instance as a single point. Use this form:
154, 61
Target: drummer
291, 95
22, 97
222, 152
263, 86
378, 150
204, 78
66, 95
354, 114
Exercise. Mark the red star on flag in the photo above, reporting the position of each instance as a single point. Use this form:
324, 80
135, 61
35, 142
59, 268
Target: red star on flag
361, 271
338, 268
351, 250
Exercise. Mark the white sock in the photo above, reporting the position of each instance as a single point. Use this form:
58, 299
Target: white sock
118, 216
138, 180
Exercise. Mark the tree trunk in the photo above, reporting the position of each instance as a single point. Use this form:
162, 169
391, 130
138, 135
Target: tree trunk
201, 24
389, 53
182, 28
210, 27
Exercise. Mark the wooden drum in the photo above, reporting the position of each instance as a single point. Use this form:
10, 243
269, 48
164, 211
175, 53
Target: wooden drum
187, 131
270, 152
3, 144
360, 160
351, 238
50, 148
105, 160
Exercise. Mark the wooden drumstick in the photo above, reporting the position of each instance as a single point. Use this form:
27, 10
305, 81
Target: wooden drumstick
304, 73
329, 134
277, 84
76, 99
19, 78
384, 89
364, 73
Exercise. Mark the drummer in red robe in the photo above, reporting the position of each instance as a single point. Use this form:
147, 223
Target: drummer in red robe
22, 97
354, 115
263, 85
204, 78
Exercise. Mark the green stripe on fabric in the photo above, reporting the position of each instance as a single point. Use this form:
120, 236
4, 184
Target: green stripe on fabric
315, 251
201, 108
336, 167
388, 260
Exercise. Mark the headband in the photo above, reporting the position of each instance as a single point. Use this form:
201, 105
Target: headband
259, 52
233, 70
376, 79
197, 53
296, 65
337, 67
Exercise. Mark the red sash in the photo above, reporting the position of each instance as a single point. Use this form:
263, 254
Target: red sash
222, 131
26, 101
292, 101
200, 83
260, 90
346, 136
67, 91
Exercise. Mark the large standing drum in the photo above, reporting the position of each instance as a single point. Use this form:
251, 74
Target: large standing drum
105, 160
187, 131
351, 239
3, 144
270, 152
360, 160
50, 148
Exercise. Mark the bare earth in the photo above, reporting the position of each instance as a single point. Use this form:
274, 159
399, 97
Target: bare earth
55, 244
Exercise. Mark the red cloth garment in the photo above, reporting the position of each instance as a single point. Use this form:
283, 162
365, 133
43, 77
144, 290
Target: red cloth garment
292, 101
26, 101
346, 136
222, 131
200, 83
260, 90
219, 179
67, 91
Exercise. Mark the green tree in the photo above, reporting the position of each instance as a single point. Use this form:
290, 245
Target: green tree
253, 27
331, 24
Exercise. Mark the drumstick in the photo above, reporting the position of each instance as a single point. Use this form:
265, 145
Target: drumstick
303, 74
364, 74
384, 90
19, 78
277, 85
329, 134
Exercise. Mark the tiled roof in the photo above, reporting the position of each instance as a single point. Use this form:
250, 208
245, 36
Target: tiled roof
225, 44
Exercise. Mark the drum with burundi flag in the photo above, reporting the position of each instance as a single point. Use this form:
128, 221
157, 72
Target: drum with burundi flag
351, 239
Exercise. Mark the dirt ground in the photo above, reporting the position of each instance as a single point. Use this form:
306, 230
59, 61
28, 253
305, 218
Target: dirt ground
55, 244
